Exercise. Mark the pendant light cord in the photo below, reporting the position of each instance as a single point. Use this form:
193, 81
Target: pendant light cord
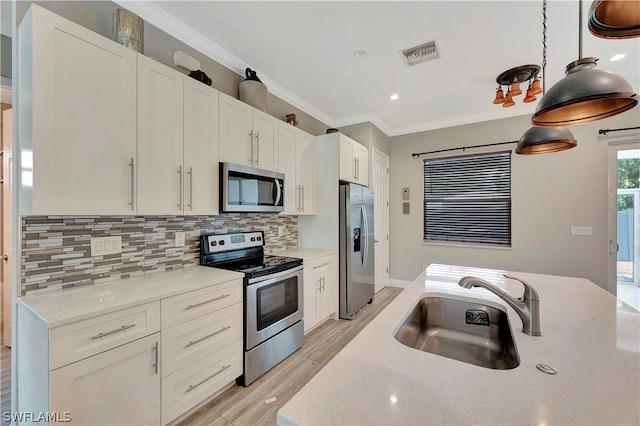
544, 44
579, 29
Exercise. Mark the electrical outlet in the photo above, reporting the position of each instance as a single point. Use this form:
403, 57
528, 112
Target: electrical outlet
102, 246
581, 230
280, 231
179, 239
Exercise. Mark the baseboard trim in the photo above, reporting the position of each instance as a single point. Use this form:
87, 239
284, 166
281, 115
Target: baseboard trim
399, 283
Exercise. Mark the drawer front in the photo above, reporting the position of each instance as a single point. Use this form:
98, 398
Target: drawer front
187, 306
320, 264
188, 387
190, 341
82, 339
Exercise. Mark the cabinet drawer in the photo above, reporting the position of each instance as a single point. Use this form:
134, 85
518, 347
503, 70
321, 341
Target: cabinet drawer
190, 341
320, 264
188, 387
187, 306
79, 340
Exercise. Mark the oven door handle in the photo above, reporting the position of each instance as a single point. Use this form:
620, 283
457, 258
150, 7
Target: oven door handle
277, 275
278, 192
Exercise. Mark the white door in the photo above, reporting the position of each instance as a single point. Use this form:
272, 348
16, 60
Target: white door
200, 148
161, 172
624, 221
117, 387
306, 172
7, 208
380, 180
265, 134
287, 165
236, 134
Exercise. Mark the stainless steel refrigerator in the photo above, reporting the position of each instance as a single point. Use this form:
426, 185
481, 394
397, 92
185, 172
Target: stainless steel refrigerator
356, 248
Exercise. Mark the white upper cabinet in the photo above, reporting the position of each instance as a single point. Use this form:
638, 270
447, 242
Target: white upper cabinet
160, 168
200, 148
77, 119
297, 160
247, 136
353, 161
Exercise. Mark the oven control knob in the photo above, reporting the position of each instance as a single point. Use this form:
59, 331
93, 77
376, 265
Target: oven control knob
259, 238
214, 243
221, 242
253, 238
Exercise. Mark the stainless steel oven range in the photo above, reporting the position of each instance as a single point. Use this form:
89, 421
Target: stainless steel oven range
273, 298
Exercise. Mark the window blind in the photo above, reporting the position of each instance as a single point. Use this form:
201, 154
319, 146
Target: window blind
468, 199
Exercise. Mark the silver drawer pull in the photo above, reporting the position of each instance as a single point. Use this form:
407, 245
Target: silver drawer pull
191, 343
117, 330
320, 266
207, 301
192, 387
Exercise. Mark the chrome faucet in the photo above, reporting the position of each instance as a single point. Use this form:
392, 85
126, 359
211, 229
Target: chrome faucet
527, 306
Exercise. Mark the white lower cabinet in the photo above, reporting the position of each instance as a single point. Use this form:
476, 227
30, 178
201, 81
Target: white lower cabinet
320, 279
117, 387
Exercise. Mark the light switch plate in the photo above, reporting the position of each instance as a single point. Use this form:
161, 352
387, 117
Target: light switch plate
102, 246
179, 239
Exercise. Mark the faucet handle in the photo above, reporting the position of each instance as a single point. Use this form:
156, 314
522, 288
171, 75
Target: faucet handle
530, 293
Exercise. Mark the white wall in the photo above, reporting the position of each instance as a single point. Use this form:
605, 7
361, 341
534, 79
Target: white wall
550, 193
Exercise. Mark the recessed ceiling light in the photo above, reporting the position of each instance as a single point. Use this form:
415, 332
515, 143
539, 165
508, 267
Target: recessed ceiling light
617, 57
360, 54
394, 97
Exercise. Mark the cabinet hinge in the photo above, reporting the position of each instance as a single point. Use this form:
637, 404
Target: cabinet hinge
387, 237
387, 270
387, 204
387, 170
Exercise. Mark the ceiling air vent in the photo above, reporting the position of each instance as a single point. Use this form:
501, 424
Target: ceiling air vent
424, 52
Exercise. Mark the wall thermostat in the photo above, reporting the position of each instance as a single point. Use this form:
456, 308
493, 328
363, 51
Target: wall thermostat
405, 194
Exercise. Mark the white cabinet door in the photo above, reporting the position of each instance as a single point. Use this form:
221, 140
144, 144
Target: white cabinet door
265, 133
160, 169
306, 172
287, 164
326, 296
117, 387
347, 161
361, 156
77, 127
236, 134
311, 294
200, 148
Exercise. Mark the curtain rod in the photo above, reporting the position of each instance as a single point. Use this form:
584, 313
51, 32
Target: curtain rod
463, 148
605, 131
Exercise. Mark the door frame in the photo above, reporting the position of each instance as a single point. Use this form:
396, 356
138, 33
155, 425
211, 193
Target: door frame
377, 151
627, 143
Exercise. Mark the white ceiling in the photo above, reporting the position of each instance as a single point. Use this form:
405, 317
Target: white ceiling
304, 52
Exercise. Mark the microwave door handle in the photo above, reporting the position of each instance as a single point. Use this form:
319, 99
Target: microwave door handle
278, 192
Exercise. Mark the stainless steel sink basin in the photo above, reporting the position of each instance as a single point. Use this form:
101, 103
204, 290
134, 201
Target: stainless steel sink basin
469, 332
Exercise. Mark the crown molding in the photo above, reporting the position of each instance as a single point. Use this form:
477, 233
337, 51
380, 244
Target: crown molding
157, 17
370, 117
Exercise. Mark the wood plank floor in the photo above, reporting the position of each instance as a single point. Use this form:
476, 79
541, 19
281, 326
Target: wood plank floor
246, 406
5, 379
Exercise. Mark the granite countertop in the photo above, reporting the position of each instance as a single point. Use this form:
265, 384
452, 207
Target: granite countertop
59, 307
588, 335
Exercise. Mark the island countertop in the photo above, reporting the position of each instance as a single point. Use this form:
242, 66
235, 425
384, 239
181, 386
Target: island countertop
588, 335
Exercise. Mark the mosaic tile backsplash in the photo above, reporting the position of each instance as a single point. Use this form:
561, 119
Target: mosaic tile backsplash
56, 250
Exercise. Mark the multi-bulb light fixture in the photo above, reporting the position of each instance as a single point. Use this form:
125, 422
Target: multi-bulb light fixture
511, 79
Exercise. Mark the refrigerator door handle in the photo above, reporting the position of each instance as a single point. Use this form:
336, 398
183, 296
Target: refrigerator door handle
363, 233
366, 247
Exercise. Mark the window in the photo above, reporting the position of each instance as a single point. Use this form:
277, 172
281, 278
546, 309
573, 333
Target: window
467, 199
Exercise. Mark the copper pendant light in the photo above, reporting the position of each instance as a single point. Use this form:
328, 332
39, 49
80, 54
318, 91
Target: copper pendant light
615, 19
585, 94
544, 140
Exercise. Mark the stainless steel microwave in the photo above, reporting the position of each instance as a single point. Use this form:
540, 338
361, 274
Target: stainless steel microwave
247, 189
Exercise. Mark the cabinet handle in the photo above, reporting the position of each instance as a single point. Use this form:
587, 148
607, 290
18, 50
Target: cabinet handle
190, 172
319, 285
302, 196
257, 147
117, 330
155, 358
192, 387
322, 283
193, 342
357, 169
320, 266
179, 187
251, 147
207, 301
354, 168
132, 178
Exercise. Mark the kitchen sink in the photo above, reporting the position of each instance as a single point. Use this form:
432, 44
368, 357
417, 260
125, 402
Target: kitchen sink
470, 332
